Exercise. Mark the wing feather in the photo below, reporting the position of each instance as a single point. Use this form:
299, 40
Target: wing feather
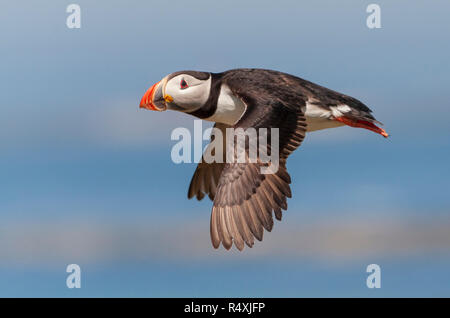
206, 176
245, 200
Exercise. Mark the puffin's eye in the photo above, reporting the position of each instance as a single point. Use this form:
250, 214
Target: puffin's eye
183, 84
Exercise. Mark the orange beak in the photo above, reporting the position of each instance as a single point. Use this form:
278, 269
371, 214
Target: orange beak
362, 124
153, 99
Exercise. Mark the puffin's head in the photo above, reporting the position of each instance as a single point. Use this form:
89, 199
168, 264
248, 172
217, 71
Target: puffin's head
184, 91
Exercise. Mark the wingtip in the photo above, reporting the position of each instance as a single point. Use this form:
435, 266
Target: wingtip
227, 246
215, 244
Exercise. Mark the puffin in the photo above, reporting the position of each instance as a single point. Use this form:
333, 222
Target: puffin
244, 199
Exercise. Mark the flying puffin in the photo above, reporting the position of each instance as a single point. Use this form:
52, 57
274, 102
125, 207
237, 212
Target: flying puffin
244, 198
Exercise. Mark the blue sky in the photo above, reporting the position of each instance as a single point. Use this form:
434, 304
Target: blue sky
86, 176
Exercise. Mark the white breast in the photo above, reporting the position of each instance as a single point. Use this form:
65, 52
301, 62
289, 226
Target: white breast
229, 107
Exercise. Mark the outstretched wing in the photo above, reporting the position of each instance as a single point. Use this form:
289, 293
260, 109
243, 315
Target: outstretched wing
245, 198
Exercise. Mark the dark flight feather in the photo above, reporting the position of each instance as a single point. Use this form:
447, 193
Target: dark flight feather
244, 196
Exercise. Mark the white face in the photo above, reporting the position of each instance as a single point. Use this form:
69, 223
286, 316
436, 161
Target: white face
188, 92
